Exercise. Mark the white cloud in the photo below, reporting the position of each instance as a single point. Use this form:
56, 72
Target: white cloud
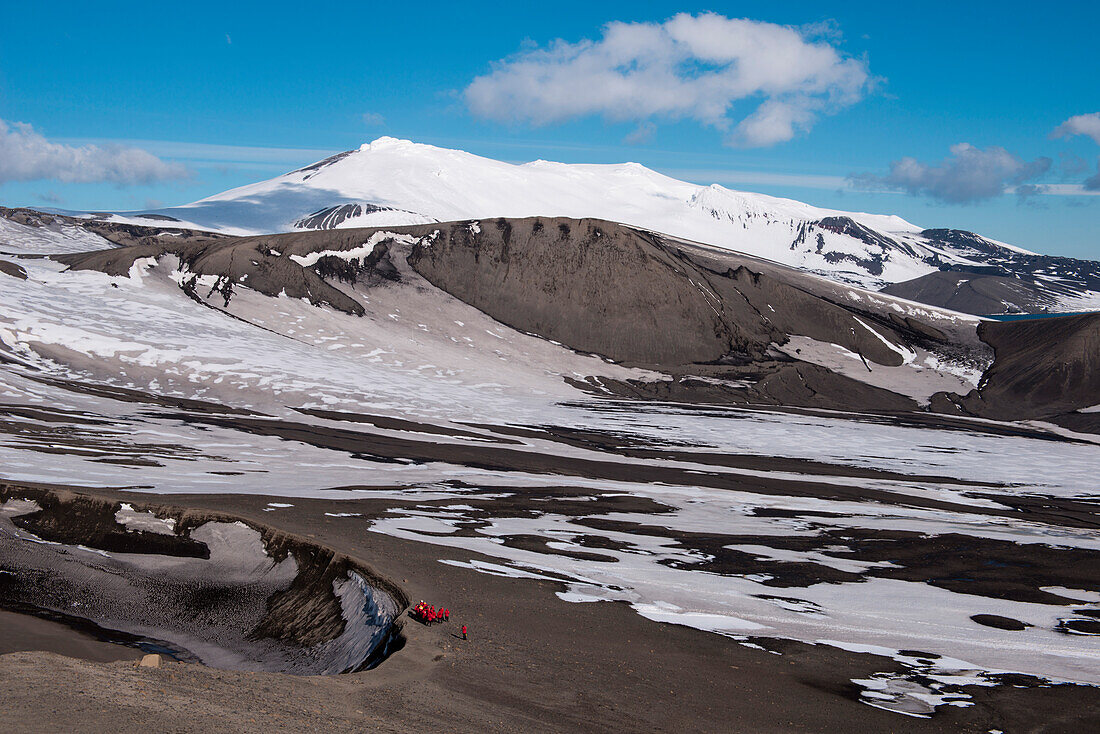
644, 133
1079, 125
969, 174
26, 155
697, 67
373, 119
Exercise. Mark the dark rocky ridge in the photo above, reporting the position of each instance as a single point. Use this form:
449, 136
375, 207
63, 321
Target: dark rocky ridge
623, 293
709, 318
1002, 281
123, 235
1043, 368
974, 293
231, 260
333, 216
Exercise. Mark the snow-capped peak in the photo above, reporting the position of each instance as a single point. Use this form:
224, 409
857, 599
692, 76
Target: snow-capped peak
390, 181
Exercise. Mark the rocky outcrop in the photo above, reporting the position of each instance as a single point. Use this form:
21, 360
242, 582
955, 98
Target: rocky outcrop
333, 216
15, 271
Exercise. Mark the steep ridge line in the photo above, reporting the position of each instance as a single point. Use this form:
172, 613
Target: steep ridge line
725, 327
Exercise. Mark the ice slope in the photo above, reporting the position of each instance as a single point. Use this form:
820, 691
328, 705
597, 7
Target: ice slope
394, 182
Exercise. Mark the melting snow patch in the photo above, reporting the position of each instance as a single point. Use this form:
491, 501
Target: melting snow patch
144, 521
930, 681
15, 508
664, 612
1078, 594
494, 569
356, 253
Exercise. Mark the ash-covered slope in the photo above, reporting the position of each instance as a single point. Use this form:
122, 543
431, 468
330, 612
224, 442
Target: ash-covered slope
719, 327
1044, 368
1015, 283
393, 182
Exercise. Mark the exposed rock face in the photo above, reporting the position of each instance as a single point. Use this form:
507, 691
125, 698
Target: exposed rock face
999, 280
964, 242
590, 285
230, 260
333, 216
159, 230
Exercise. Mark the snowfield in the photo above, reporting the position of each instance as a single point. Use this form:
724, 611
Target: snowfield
462, 383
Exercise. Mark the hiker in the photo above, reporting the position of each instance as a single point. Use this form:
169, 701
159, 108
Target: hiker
446, 615
464, 632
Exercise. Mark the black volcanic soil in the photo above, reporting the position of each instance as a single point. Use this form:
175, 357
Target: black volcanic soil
1043, 367
974, 293
706, 317
623, 293
594, 286
533, 663
24, 632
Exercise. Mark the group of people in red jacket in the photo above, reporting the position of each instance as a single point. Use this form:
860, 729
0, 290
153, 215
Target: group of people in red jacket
428, 614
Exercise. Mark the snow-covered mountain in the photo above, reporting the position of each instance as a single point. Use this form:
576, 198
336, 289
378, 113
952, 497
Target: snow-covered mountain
396, 182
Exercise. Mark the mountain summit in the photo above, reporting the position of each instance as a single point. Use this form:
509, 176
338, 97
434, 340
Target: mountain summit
392, 182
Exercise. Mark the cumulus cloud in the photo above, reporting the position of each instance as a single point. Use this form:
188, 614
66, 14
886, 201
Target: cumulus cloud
1079, 125
760, 83
969, 174
25, 155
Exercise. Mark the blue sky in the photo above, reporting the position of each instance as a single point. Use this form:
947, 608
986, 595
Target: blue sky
234, 93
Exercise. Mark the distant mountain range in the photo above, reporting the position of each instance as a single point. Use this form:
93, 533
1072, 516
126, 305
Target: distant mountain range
392, 182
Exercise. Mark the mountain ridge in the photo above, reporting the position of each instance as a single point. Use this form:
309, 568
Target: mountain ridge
392, 182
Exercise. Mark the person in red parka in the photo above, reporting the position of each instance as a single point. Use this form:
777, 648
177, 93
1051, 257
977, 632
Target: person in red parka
464, 632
